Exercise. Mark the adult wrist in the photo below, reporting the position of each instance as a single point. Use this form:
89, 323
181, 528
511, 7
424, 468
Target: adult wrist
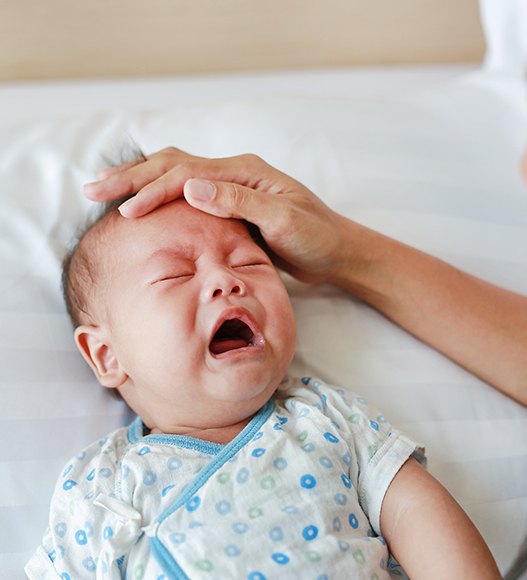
361, 260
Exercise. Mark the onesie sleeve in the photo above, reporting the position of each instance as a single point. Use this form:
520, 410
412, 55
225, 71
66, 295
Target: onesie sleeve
377, 450
79, 530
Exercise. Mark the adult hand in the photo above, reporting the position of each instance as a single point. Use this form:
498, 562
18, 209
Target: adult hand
302, 232
460, 315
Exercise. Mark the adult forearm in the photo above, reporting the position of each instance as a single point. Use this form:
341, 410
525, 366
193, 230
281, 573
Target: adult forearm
478, 325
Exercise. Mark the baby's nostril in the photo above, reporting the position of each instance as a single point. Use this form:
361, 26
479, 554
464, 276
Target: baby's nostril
222, 290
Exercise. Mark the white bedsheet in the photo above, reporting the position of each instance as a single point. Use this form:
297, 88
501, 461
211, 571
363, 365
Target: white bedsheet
429, 156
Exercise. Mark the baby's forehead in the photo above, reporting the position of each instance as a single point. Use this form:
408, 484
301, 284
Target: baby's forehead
177, 225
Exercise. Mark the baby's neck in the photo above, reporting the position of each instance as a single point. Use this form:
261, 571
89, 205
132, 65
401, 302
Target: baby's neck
222, 435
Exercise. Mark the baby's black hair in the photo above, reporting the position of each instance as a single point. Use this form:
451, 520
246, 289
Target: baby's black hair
79, 270
80, 274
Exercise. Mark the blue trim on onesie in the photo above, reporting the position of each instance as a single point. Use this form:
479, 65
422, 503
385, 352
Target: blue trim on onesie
170, 567
135, 430
207, 447
135, 435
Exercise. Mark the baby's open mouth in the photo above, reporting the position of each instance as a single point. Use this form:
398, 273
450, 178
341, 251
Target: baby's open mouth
231, 335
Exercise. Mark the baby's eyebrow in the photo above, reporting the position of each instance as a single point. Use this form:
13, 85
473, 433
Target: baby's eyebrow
185, 251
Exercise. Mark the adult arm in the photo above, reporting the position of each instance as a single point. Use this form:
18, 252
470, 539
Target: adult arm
478, 325
428, 532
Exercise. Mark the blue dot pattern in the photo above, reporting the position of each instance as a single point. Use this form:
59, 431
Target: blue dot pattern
300, 497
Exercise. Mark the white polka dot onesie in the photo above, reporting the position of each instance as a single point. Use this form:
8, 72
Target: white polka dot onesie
297, 494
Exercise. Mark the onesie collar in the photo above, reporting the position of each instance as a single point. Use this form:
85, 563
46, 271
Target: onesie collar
137, 429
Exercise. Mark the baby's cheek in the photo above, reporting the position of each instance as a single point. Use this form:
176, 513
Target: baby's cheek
286, 323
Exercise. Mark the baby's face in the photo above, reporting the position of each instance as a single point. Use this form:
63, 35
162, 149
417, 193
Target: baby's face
198, 318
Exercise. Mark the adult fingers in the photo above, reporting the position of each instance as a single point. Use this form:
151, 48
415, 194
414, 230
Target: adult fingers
231, 200
131, 178
109, 171
247, 170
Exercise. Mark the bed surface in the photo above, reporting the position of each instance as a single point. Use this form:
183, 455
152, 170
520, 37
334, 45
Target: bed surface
427, 155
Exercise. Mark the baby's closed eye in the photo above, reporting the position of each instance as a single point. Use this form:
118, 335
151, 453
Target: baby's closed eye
171, 276
249, 264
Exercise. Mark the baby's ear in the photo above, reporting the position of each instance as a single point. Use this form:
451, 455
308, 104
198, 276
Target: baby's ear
94, 347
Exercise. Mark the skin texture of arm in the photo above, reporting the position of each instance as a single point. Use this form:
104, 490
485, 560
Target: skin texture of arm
478, 325
428, 532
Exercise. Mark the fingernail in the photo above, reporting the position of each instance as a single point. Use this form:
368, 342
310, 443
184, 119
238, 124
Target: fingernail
124, 208
200, 189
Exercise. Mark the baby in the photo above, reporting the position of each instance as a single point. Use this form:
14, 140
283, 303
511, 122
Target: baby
231, 470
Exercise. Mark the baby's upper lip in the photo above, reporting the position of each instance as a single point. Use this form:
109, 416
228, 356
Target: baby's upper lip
242, 314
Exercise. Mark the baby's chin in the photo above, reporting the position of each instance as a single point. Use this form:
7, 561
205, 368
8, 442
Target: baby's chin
216, 400
239, 395
246, 386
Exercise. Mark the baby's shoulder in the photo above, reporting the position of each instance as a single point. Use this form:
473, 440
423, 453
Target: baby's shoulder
312, 391
343, 408
98, 463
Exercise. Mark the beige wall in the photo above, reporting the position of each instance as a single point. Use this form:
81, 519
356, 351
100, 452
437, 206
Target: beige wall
69, 38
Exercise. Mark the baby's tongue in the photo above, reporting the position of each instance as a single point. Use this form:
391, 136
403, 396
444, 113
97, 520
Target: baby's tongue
220, 345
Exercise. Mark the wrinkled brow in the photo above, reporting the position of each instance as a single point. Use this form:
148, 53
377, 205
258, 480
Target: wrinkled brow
185, 251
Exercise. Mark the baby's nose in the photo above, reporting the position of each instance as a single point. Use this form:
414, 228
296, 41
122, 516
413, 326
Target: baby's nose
226, 290
223, 284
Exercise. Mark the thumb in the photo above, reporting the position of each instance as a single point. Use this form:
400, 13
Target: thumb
231, 200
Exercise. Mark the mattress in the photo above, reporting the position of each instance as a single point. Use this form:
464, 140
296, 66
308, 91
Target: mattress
427, 155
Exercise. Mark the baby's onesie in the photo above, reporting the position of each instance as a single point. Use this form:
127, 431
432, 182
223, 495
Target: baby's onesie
297, 494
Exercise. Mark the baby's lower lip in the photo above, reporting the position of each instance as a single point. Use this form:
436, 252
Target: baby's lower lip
239, 352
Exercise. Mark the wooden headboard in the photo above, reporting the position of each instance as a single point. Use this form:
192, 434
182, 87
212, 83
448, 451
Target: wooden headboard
98, 38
